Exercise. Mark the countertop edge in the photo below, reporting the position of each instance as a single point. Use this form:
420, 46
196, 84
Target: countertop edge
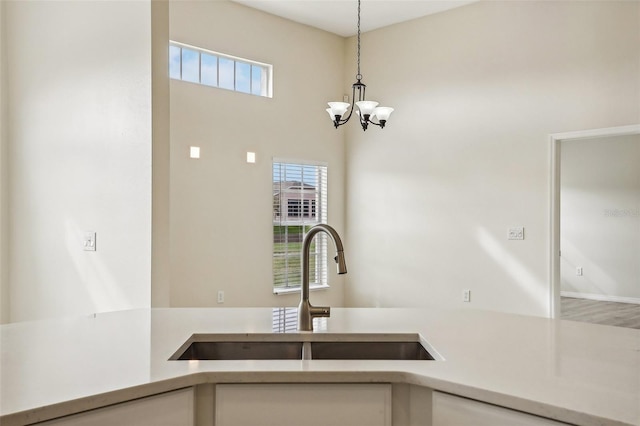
118, 396
553, 412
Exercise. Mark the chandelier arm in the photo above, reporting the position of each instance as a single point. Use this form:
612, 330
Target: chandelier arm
351, 108
381, 123
344, 120
341, 121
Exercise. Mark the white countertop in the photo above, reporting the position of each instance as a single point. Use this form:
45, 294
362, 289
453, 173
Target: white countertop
574, 372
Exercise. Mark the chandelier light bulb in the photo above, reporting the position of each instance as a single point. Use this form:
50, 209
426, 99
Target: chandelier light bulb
382, 113
338, 109
366, 107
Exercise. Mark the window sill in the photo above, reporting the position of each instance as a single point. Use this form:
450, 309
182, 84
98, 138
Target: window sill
281, 291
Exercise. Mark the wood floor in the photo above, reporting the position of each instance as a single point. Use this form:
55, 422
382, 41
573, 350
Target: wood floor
597, 312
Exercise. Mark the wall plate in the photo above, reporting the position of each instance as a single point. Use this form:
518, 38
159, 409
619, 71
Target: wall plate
89, 241
516, 233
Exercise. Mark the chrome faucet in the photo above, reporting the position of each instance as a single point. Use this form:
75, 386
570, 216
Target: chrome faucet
306, 312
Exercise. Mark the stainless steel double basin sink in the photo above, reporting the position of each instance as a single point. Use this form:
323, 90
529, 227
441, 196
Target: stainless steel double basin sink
320, 346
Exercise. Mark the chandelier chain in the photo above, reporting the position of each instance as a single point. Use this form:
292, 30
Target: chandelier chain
359, 76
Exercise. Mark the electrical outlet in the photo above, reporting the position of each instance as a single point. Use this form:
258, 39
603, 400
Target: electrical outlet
220, 296
516, 233
466, 295
579, 271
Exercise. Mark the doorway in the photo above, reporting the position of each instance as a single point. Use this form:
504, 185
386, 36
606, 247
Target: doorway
584, 252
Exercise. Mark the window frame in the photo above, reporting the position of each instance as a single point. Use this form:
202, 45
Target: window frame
266, 70
281, 217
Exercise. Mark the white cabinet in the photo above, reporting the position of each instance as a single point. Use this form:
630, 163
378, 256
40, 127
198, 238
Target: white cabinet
450, 410
168, 409
303, 405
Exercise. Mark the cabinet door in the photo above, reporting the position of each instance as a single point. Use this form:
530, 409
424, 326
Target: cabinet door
450, 410
303, 405
168, 409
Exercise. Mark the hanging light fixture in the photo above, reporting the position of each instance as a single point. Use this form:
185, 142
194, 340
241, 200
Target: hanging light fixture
368, 111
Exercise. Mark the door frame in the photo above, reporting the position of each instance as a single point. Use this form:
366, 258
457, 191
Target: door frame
554, 250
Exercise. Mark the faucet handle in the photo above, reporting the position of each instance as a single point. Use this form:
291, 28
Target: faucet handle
320, 311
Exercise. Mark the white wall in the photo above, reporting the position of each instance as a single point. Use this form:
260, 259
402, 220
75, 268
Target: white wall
600, 217
79, 77
221, 220
4, 186
465, 156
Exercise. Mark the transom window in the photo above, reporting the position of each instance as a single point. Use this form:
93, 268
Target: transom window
196, 65
299, 202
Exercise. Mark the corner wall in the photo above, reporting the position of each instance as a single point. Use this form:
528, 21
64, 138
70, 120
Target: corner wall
79, 80
221, 206
161, 171
465, 156
4, 179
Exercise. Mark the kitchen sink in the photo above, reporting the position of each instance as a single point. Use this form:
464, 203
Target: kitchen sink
241, 350
370, 350
320, 346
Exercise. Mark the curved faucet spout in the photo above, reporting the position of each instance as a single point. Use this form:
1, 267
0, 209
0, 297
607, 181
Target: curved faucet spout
306, 312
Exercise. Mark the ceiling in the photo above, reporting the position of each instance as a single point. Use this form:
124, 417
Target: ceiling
340, 16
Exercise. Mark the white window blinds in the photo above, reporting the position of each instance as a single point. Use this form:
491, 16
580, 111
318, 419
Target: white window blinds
299, 202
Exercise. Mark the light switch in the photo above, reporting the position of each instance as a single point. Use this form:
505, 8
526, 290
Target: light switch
89, 241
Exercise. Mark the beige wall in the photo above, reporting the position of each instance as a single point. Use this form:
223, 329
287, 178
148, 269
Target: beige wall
600, 217
428, 200
221, 220
4, 185
79, 96
465, 156
161, 154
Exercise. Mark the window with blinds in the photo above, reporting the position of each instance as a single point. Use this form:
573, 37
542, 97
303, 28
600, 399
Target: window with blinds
299, 202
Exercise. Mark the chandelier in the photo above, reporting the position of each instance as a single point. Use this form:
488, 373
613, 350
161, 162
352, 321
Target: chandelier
368, 111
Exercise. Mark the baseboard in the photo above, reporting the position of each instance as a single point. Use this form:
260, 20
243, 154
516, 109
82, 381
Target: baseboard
600, 297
